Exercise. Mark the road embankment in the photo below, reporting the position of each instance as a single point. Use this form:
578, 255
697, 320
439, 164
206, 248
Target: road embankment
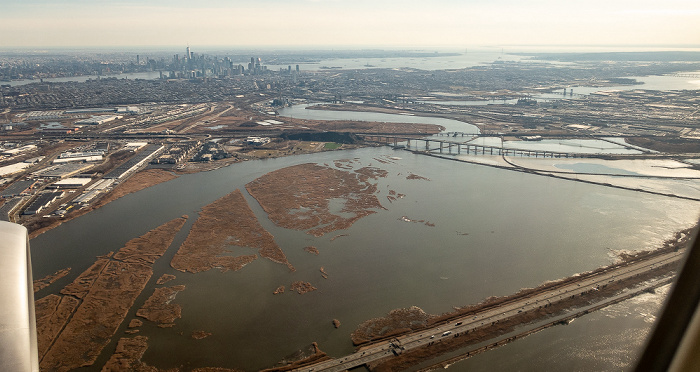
497, 321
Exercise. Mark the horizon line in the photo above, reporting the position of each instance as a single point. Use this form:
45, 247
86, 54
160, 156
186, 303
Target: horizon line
353, 47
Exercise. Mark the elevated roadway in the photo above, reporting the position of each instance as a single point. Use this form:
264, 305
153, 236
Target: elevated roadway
465, 147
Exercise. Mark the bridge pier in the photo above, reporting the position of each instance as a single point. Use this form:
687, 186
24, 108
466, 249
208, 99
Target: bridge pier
394, 141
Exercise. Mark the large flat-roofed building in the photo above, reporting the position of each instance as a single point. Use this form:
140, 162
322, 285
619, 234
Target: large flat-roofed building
62, 170
45, 115
86, 197
131, 165
94, 110
70, 183
83, 156
83, 159
42, 201
10, 207
133, 110
133, 146
101, 185
80, 154
13, 168
18, 150
56, 128
97, 120
18, 188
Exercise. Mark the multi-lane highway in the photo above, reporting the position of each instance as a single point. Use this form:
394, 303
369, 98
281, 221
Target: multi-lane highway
463, 325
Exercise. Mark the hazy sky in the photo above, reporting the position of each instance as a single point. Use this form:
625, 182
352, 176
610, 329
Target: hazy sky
349, 23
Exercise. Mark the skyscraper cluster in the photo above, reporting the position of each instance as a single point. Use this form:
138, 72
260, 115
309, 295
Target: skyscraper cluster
255, 66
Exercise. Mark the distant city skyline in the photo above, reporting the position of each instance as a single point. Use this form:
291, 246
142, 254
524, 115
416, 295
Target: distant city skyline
358, 23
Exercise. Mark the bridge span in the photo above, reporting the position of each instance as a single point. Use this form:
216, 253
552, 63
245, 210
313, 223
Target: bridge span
444, 146
457, 147
689, 75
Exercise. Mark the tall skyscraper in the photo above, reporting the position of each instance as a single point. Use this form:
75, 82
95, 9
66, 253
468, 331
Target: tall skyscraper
187, 56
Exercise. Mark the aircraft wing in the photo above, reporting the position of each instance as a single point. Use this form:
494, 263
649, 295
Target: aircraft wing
18, 347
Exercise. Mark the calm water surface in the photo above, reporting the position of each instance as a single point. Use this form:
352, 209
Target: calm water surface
495, 232
300, 112
610, 339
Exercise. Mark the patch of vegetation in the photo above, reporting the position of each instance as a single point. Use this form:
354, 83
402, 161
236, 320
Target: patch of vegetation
672, 145
336, 137
331, 146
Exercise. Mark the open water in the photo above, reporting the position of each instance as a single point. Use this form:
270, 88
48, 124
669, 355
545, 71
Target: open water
495, 232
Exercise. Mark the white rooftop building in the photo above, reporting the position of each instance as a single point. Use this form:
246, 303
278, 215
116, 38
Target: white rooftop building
97, 120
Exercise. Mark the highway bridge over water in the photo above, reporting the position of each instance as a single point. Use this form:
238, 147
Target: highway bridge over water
462, 147
455, 147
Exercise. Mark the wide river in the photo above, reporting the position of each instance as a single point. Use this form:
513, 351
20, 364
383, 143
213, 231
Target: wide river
495, 231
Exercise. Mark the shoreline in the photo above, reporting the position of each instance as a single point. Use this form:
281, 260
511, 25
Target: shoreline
74, 326
394, 338
362, 174
680, 240
516, 168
